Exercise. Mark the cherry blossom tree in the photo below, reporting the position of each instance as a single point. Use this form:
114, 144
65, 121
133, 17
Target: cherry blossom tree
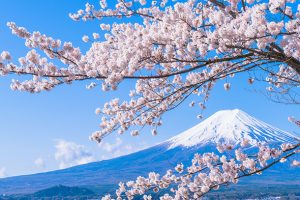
173, 51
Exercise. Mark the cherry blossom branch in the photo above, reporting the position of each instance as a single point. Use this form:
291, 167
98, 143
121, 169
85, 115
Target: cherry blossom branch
208, 172
172, 54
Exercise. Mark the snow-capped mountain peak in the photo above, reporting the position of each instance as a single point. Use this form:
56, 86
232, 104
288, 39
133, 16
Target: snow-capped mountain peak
229, 126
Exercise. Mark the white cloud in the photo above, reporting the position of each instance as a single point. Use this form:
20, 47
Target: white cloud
3, 173
69, 154
116, 149
110, 147
40, 163
125, 150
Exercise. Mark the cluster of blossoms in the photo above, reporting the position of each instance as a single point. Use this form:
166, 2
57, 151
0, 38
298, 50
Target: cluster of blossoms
207, 172
176, 50
46, 75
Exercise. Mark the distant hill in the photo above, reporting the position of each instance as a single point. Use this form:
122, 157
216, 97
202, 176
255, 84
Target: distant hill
63, 191
227, 125
59, 192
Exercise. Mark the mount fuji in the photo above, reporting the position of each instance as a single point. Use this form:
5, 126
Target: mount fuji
223, 126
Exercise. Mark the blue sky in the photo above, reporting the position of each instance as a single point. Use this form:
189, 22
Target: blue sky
36, 128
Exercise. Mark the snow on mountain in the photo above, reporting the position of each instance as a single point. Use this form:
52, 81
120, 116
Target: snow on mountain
229, 126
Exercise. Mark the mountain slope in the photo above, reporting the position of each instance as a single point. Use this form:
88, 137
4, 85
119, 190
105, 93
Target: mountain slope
228, 125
